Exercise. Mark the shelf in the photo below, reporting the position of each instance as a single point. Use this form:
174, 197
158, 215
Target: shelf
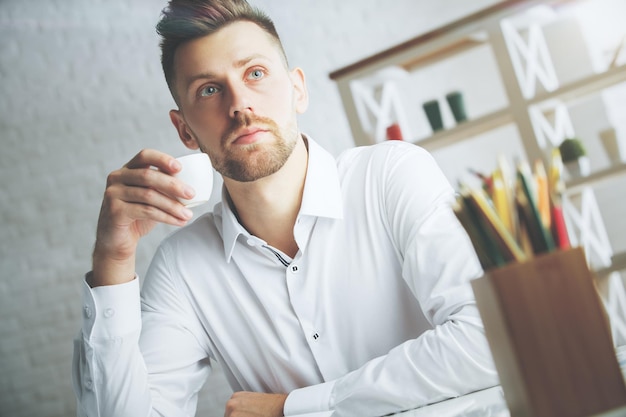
425, 38
454, 36
585, 86
618, 263
455, 48
465, 130
595, 178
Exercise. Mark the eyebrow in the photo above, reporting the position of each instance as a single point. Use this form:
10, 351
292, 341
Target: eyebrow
208, 75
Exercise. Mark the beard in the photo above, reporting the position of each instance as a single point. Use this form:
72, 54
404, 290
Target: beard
246, 163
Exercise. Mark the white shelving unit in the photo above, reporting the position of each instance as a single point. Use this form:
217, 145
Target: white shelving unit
481, 29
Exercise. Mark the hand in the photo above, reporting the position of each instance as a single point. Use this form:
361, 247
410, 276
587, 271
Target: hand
137, 196
255, 404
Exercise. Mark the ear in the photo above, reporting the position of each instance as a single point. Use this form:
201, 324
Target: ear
185, 134
301, 95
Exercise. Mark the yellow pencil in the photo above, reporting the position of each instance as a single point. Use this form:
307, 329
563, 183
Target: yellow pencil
501, 201
543, 194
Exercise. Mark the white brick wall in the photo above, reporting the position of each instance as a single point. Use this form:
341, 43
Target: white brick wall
81, 91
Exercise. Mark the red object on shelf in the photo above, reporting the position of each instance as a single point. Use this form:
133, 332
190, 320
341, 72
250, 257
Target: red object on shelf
394, 132
559, 230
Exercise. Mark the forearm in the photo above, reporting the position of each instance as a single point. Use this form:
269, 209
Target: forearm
110, 381
449, 361
110, 377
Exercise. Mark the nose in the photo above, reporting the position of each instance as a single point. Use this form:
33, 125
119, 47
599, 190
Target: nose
240, 100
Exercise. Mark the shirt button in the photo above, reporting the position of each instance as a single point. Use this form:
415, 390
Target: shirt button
89, 384
108, 313
87, 312
294, 268
250, 242
316, 336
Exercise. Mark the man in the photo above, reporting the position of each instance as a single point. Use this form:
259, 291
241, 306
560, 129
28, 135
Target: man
317, 284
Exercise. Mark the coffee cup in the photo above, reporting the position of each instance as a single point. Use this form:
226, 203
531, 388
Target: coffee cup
196, 172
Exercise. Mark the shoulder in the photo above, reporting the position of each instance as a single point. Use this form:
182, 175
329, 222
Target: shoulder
394, 149
394, 170
387, 155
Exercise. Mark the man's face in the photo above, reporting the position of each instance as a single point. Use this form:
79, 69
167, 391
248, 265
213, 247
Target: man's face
238, 101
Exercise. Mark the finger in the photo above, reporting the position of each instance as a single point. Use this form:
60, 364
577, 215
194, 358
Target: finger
146, 212
147, 203
153, 179
153, 198
153, 158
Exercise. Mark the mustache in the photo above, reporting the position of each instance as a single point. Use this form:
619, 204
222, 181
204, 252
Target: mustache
244, 120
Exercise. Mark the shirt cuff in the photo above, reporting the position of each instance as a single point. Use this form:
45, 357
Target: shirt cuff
111, 311
314, 398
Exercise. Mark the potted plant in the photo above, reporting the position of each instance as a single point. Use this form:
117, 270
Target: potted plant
575, 157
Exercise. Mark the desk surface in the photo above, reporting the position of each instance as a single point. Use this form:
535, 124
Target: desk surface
486, 403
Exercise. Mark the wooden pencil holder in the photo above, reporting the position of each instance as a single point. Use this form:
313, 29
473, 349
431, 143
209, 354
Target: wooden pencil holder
550, 337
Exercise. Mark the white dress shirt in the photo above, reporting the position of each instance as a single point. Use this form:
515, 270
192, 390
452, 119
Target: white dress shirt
373, 315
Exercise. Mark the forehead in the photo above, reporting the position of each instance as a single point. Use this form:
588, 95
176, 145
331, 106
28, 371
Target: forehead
230, 44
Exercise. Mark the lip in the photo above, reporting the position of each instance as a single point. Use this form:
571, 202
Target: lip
247, 135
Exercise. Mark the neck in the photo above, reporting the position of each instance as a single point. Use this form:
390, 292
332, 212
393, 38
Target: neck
268, 207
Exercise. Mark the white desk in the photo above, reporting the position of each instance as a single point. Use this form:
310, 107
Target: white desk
486, 403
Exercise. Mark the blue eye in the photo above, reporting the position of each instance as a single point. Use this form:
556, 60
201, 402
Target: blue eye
256, 74
208, 91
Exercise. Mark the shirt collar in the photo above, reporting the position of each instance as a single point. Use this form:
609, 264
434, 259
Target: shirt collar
321, 196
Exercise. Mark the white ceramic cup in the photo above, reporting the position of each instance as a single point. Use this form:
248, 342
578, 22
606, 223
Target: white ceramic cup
196, 172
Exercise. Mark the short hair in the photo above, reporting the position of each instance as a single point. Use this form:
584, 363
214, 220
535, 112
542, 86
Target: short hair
185, 20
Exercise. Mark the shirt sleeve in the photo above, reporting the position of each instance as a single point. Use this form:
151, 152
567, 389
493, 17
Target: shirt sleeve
133, 359
105, 353
315, 398
438, 263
